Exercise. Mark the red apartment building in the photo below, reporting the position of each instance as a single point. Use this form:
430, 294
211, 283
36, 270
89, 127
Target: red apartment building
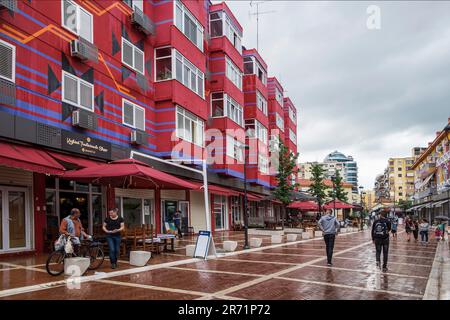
86, 82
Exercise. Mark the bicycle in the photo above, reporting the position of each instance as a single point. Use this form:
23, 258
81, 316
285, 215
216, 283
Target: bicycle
88, 248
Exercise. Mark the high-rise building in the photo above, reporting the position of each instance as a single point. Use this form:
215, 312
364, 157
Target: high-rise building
86, 82
348, 167
401, 178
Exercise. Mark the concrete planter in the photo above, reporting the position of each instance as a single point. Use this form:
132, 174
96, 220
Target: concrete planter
277, 239
318, 234
139, 258
262, 232
76, 266
230, 245
306, 235
255, 242
291, 237
190, 249
293, 230
344, 230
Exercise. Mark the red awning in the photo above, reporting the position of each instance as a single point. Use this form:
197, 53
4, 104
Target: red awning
129, 173
79, 162
304, 205
338, 205
218, 189
28, 158
253, 197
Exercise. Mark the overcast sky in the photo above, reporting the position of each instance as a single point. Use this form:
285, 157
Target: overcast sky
372, 94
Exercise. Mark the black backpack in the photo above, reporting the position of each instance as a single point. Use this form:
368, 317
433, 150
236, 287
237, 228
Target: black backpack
380, 229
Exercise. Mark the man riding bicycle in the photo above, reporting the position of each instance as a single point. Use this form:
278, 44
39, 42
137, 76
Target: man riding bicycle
71, 226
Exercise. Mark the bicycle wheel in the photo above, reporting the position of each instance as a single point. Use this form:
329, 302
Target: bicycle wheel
55, 263
97, 256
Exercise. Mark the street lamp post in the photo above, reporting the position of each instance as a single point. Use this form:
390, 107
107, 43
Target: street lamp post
361, 188
246, 245
333, 180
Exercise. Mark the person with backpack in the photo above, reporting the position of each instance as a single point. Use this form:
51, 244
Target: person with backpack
329, 226
380, 237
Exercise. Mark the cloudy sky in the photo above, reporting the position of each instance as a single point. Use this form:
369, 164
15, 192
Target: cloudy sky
373, 94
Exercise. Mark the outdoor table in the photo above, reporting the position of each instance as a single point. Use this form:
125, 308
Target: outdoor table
165, 237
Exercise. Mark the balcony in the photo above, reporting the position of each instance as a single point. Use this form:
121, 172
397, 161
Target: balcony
7, 92
142, 22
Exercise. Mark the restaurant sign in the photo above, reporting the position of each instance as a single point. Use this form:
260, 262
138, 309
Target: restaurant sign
85, 145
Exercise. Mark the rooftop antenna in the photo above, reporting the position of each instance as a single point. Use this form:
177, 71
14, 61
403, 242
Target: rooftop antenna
257, 14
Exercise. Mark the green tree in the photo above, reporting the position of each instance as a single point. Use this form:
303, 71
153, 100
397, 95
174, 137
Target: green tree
287, 163
405, 204
318, 187
338, 192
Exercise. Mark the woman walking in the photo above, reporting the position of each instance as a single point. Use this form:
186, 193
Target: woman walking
408, 228
415, 230
113, 226
423, 229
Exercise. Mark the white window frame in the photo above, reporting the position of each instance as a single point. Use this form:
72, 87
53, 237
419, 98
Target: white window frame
256, 65
200, 29
274, 143
79, 81
292, 136
234, 148
279, 96
279, 121
259, 130
134, 62
194, 119
261, 102
292, 115
228, 30
78, 8
135, 106
160, 58
263, 163
237, 117
233, 73
134, 4
13, 61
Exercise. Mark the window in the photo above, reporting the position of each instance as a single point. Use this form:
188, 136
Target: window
132, 56
77, 19
256, 130
263, 164
135, 4
279, 121
399, 175
77, 92
279, 96
261, 102
185, 71
232, 109
233, 73
189, 127
221, 25
133, 115
163, 64
292, 115
292, 136
7, 61
274, 143
188, 24
235, 148
252, 66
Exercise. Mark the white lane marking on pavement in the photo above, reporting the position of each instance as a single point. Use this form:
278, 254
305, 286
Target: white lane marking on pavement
261, 261
217, 271
19, 266
279, 273
351, 287
369, 272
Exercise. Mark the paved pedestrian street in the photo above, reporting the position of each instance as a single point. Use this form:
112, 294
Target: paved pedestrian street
290, 270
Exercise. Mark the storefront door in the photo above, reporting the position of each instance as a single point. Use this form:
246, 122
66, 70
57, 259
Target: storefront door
169, 208
14, 219
220, 212
183, 206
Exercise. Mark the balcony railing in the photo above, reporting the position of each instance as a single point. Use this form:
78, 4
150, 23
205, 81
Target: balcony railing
142, 22
7, 92
9, 4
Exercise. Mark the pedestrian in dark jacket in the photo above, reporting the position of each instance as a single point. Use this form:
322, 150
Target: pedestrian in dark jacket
329, 226
415, 230
380, 237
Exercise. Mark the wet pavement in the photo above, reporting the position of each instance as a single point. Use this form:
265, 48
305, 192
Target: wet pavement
294, 270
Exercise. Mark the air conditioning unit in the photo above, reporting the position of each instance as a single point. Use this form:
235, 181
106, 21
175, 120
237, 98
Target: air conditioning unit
84, 119
7, 92
84, 50
9, 4
138, 137
142, 22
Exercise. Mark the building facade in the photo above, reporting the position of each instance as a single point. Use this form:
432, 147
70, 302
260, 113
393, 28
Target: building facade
347, 166
401, 178
432, 177
86, 82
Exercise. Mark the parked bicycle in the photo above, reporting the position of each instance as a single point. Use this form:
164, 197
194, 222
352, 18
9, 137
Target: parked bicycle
88, 248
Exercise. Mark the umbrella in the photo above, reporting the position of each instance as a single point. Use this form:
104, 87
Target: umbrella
442, 218
304, 205
337, 204
128, 173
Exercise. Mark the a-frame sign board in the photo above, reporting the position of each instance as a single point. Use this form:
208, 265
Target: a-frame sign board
204, 246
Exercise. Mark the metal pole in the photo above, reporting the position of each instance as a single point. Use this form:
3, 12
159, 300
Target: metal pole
205, 190
246, 245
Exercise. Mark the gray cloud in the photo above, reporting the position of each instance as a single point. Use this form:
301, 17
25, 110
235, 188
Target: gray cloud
373, 94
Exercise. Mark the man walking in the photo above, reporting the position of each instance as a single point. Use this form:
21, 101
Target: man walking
329, 226
380, 237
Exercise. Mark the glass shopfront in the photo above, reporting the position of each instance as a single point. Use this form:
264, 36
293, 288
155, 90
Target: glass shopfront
135, 211
64, 195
